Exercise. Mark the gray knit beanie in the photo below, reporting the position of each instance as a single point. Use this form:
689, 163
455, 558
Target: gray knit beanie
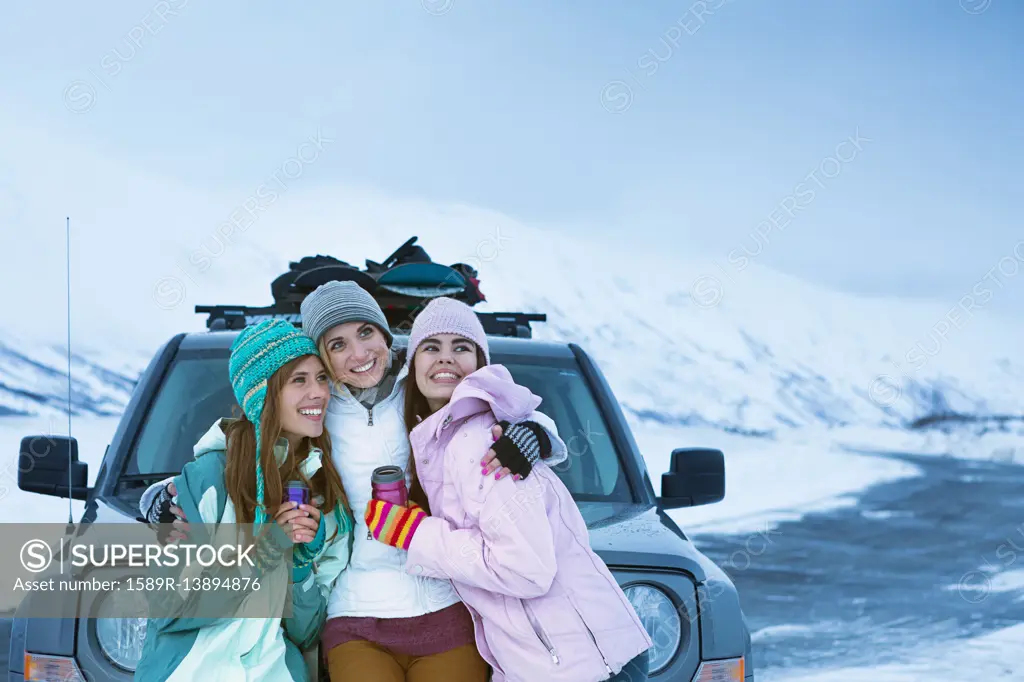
336, 303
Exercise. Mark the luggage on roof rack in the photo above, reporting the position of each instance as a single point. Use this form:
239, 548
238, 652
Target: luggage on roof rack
402, 285
406, 253
312, 271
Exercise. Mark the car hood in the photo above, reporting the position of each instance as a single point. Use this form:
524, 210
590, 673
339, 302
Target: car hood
630, 535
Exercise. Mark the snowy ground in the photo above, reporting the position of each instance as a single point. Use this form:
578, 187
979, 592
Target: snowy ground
993, 657
769, 481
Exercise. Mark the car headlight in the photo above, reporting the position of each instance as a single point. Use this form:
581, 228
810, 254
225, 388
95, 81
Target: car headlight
121, 640
119, 629
661, 619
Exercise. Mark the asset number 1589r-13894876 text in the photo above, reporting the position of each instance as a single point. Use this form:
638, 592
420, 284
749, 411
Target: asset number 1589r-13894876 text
197, 584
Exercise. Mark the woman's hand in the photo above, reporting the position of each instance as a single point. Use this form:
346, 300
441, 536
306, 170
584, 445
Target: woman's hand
392, 524
300, 522
516, 452
490, 463
180, 523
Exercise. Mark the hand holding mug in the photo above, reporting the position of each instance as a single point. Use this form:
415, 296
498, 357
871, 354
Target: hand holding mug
299, 521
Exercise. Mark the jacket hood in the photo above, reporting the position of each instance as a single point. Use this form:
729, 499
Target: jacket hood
489, 388
214, 440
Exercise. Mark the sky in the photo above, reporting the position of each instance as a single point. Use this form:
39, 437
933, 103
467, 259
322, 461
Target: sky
868, 146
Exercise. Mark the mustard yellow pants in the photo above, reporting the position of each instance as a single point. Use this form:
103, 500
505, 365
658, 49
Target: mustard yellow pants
362, 661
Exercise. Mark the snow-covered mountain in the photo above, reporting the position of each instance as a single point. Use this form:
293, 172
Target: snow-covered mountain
685, 342
33, 380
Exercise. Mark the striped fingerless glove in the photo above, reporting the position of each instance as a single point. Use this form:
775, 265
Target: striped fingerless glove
521, 445
391, 524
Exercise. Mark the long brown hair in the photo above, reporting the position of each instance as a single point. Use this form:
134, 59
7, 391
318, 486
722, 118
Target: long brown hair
240, 473
416, 410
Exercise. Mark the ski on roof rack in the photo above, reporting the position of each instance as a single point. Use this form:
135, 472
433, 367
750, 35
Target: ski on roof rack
402, 285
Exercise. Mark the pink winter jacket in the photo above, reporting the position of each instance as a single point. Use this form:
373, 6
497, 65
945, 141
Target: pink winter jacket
544, 605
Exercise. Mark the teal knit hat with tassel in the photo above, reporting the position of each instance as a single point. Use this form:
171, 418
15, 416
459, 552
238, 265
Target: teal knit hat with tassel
259, 351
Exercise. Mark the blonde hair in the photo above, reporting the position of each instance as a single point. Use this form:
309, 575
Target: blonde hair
321, 345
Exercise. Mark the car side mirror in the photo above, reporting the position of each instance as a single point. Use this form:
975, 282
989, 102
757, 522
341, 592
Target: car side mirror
697, 477
43, 464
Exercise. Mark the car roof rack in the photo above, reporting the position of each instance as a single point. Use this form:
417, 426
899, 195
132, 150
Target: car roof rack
402, 284
237, 317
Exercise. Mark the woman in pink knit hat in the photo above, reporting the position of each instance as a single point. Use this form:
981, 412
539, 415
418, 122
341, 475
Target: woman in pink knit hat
544, 605
383, 624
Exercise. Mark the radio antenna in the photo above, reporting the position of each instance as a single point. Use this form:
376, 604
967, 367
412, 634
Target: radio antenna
67, 243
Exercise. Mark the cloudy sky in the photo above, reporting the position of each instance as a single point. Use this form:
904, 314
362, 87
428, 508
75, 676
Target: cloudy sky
868, 146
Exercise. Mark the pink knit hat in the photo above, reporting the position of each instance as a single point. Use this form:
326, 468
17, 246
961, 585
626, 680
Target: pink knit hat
447, 316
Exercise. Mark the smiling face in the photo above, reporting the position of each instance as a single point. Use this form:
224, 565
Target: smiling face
442, 361
358, 353
303, 399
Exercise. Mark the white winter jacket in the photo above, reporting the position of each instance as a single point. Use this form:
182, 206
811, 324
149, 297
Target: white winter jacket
375, 583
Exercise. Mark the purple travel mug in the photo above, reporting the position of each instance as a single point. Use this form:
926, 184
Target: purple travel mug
297, 492
387, 483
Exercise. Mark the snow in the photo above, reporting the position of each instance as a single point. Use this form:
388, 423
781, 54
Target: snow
33, 377
1009, 581
766, 352
985, 582
1003, 446
697, 352
767, 481
771, 480
785, 630
991, 657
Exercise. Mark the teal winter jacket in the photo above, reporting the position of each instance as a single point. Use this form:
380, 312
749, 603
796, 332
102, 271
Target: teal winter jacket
249, 649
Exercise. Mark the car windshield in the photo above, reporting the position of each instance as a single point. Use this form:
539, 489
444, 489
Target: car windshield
196, 393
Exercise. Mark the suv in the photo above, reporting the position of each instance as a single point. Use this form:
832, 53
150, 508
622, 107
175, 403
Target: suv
687, 603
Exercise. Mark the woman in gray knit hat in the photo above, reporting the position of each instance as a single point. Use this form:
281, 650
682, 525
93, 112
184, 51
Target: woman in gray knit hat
384, 623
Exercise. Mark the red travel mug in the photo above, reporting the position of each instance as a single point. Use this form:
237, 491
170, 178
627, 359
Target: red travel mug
387, 483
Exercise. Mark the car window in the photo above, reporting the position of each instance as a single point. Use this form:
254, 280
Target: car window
196, 393
593, 470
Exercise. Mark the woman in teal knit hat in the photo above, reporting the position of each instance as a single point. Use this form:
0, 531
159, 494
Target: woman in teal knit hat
383, 623
237, 476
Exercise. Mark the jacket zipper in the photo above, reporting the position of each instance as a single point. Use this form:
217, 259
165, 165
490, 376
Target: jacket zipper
369, 422
589, 631
539, 631
593, 639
